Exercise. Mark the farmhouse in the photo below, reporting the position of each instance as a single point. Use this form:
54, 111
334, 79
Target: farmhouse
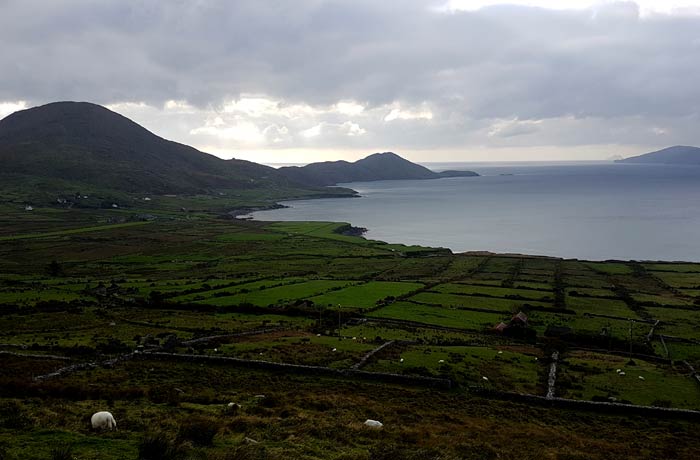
517, 322
519, 319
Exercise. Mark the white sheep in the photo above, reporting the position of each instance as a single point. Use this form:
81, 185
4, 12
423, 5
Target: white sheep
373, 423
103, 421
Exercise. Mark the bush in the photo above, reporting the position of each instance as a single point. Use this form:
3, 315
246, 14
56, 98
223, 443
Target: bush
164, 394
4, 454
158, 446
199, 430
12, 416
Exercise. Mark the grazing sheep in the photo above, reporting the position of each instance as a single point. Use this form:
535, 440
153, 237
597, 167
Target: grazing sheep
103, 421
441, 361
373, 423
401, 360
484, 377
233, 407
621, 373
641, 378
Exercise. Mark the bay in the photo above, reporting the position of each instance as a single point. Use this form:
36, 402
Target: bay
593, 210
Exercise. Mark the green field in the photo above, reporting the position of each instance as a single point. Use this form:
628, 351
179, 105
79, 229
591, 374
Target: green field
87, 287
365, 295
594, 374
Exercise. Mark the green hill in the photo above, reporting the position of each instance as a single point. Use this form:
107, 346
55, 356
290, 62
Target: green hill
89, 144
678, 154
379, 166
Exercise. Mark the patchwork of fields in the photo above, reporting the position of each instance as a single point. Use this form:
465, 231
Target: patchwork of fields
310, 294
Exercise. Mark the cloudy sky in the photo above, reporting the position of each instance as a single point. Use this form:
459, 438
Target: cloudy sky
306, 80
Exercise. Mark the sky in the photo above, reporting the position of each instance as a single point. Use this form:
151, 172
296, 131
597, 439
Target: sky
278, 81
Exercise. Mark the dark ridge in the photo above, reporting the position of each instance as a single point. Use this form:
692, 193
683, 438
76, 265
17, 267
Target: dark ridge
676, 155
379, 166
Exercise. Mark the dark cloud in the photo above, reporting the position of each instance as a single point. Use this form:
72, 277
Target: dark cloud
475, 70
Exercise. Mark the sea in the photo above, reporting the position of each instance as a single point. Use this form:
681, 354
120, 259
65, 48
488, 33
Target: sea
584, 210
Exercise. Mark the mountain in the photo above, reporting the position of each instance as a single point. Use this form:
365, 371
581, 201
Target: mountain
676, 155
89, 144
379, 166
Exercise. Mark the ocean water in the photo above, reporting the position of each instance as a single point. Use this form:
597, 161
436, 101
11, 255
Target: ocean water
594, 211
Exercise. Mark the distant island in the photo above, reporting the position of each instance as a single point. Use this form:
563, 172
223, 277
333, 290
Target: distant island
379, 166
676, 155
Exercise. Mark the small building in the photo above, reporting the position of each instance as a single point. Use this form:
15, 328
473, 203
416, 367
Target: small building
519, 319
517, 323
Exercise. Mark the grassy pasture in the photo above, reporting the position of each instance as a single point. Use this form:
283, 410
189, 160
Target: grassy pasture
237, 289
676, 322
506, 368
600, 306
379, 333
464, 289
587, 282
532, 285
436, 316
364, 295
675, 267
298, 348
461, 266
469, 301
679, 279
278, 295
663, 300
592, 375
611, 268
500, 265
591, 292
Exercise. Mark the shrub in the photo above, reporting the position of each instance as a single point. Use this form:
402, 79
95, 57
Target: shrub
199, 430
164, 394
12, 416
4, 454
158, 446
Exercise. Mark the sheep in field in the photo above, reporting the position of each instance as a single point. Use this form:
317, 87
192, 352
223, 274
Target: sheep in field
103, 421
373, 423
